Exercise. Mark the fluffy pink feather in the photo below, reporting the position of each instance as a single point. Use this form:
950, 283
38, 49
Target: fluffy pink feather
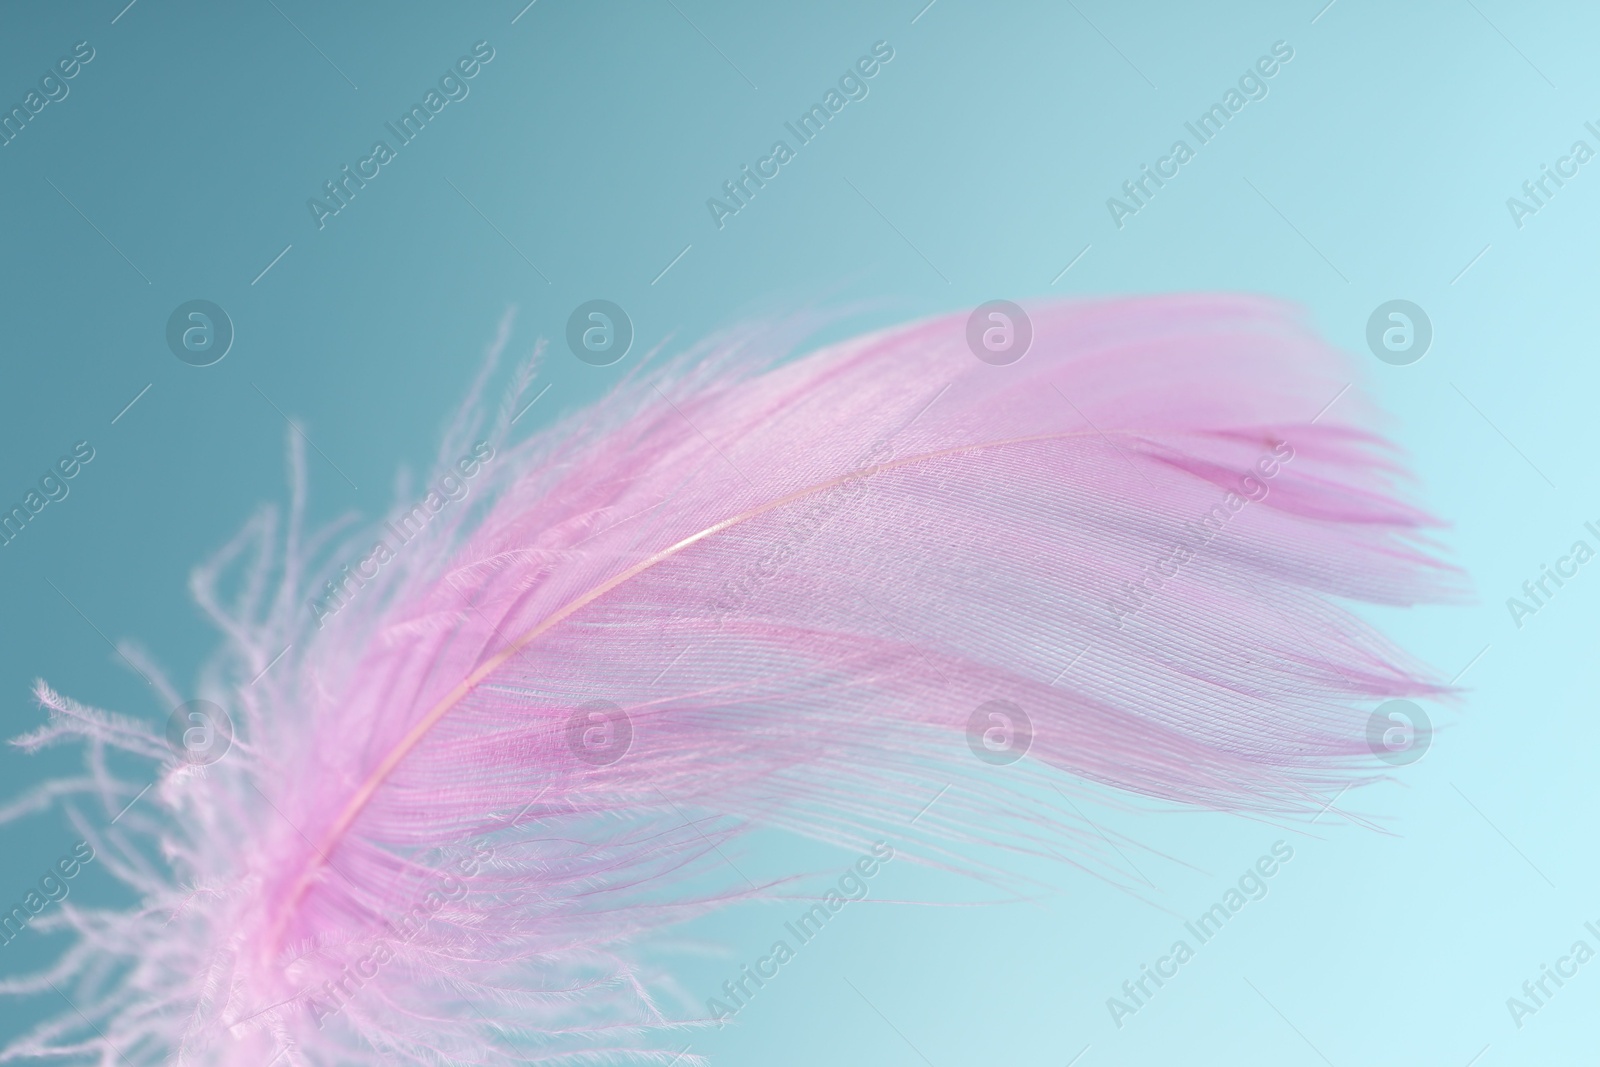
798, 579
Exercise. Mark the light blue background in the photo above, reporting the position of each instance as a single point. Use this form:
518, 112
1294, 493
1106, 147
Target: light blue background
991, 142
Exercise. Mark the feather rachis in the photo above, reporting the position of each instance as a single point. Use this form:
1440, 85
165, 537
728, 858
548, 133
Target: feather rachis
798, 578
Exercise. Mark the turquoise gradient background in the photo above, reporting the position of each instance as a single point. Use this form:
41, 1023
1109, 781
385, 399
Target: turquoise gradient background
1377, 167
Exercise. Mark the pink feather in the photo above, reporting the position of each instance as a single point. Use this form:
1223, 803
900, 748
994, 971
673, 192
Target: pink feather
798, 579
